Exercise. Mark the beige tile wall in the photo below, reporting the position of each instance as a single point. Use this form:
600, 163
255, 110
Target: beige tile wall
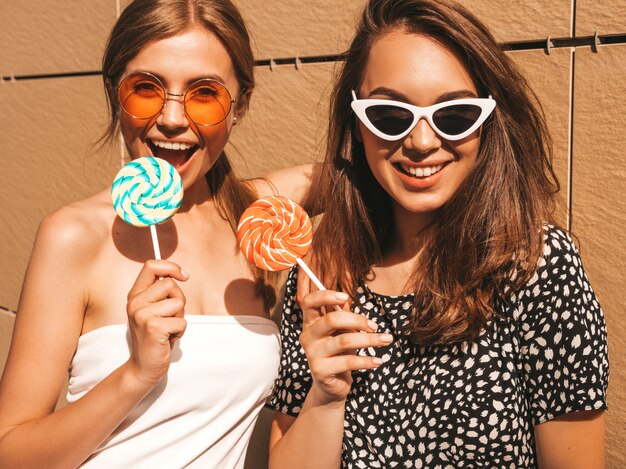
40, 37
48, 161
46, 144
599, 205
550, 78
604, 16
285, 124
524, 20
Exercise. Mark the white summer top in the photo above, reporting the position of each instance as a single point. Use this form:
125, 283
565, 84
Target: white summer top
203, 412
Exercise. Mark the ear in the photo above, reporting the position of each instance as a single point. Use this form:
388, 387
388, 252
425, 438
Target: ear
243, 102
109, 86
111, 95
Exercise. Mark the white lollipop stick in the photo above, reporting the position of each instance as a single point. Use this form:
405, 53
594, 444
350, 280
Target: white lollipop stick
314, 278
155, 242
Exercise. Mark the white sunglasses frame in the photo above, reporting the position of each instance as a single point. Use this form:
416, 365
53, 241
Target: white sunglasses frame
486, 105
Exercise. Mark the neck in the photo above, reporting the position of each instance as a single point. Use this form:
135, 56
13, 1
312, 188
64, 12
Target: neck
410, 231
198, 194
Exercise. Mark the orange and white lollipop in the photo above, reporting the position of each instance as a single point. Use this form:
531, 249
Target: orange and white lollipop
275, 233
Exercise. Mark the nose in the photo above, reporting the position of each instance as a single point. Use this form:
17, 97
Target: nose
173, 114
422, 138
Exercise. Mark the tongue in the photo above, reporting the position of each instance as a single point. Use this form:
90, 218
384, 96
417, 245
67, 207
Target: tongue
175, 157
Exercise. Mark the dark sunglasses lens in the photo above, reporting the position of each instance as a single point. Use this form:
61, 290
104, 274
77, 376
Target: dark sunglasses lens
456, 118
141, 96
389, 119
207, 102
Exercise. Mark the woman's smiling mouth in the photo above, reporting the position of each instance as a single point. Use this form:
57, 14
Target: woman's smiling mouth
419, 171
175, 153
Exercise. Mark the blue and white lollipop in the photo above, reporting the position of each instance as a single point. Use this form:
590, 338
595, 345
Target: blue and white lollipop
146, 192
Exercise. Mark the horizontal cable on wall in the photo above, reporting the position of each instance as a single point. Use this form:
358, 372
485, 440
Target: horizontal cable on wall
539, 44
43, 76
6, 310
566, 42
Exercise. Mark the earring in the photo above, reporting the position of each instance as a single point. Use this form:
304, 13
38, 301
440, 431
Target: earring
235, 120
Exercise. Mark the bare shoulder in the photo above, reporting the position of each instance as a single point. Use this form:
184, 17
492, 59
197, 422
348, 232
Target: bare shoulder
291, 182
78, 228
60, 269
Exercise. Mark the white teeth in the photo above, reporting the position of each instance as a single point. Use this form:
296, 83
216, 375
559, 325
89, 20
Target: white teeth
421, 171
172, 145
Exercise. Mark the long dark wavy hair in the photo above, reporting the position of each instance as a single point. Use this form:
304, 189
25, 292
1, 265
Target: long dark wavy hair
489, 235
145, 21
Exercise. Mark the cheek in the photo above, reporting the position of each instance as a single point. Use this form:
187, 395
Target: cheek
467, 148
133, 129
128, 125
466, 155
374, 156
131, 132
214, 137
377, 150
371, 143
465, 152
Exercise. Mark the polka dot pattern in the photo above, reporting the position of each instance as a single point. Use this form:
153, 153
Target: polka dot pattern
471, 404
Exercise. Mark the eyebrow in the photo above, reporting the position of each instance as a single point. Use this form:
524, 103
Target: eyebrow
210, 76
398, 96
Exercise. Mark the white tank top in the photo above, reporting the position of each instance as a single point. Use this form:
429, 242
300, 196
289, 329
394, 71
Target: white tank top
203, 412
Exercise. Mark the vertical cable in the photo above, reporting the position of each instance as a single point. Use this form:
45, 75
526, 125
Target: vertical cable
570, 164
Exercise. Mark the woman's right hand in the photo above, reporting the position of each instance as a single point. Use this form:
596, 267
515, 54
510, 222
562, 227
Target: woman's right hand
331, 339
155, 310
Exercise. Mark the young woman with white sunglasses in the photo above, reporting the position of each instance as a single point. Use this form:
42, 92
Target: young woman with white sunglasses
470, 335
170, 361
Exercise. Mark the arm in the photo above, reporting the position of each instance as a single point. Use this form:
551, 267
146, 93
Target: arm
294, 183
565, 358
572, 441
47, 328
314, 438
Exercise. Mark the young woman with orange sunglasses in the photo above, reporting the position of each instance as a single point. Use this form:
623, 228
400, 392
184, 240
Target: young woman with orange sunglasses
175, 372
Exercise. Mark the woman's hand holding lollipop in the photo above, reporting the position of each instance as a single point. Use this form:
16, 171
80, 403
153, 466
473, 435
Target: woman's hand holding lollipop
275, 233
155, 310
330, 341
146, 192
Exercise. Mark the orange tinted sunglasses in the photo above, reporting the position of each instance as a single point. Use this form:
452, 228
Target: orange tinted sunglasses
206, 101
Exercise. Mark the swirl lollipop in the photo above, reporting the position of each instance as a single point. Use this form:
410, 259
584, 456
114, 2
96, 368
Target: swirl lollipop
275, 233
146, 192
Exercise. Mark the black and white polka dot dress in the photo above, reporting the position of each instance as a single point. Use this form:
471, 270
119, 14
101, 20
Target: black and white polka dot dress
469, 404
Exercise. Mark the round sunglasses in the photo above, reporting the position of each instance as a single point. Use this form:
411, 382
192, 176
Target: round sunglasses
142, 96
394, 120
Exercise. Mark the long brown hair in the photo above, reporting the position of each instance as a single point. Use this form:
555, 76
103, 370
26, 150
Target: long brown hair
489, 235
145, 21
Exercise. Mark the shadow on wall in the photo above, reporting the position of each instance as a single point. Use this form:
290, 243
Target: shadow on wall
7, 319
